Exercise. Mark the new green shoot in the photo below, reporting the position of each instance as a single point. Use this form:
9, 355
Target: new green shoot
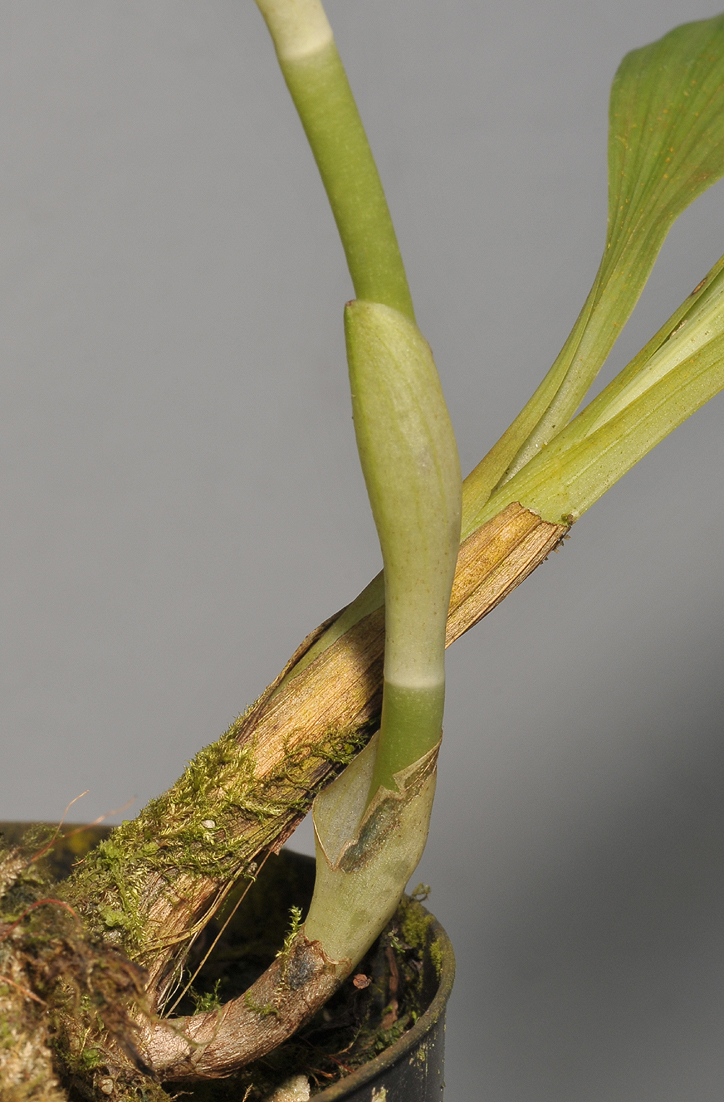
410, 462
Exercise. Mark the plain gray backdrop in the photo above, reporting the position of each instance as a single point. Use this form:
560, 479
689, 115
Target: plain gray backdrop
181, 501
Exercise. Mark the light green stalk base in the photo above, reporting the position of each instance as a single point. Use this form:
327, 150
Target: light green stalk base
410, 462
412, 725
365, 858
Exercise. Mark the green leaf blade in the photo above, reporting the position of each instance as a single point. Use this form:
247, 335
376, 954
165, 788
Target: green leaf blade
565, 482
666, 139
680, 369
665, 148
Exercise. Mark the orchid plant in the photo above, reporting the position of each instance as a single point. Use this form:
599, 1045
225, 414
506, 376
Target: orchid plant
354, 721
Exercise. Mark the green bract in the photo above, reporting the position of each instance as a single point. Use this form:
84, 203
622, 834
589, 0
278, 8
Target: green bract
410, 462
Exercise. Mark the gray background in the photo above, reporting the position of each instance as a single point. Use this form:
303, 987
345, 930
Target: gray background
181, 501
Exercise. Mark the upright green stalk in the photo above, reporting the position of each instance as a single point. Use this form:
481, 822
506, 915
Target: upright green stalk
407, 447
319, 87
371, 824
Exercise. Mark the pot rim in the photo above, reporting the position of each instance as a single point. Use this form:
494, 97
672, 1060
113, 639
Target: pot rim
409, 1040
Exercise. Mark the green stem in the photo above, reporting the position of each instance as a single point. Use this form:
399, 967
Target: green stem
319, 87
411, 724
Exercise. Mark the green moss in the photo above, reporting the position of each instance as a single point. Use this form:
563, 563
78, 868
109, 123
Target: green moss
414, 925
113, 919
263, 1010
295, 922
436, 956
81, 990
206, 1000
210, 825
7, 1037
88, 1059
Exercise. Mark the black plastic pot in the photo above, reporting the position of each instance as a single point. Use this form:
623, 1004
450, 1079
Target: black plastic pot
411, 1069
